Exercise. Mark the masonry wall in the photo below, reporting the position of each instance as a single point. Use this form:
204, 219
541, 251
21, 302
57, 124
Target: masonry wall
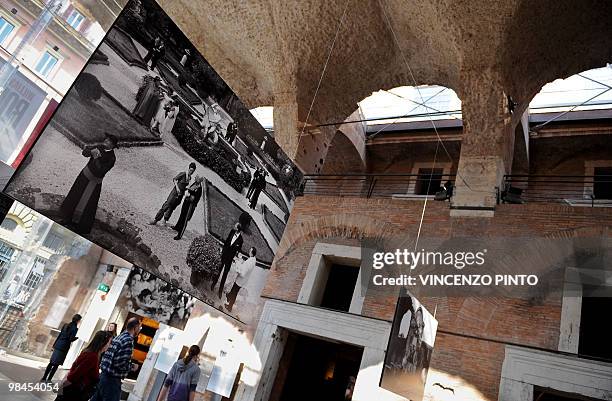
472, 331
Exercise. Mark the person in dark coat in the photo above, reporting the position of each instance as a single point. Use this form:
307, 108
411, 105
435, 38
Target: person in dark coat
192, 197
61, 346
259, 186
181, 181
231, 133
231, 247
253, 183
147, 100
78, 210
155, 53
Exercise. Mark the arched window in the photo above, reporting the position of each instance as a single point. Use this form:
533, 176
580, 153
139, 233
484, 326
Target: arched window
9, 224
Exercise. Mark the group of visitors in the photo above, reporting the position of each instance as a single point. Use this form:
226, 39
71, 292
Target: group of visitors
183, 190
97, 373
258, 184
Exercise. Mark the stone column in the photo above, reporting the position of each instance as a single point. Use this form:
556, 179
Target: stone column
286, 127
486, 147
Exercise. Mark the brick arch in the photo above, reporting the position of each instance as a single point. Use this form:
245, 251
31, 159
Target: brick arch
344, 225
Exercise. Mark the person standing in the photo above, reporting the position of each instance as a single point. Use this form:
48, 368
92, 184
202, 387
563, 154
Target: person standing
192, 197
168, 122
78, 210
231, 133
81, 381
155, 53
231, 247
162, 110
116, 363
181, 382
181, 181
259, 186
244, 271
254, 181
61, 346
147, 100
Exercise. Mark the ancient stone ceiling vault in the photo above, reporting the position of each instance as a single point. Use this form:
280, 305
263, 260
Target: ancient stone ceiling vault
272, 51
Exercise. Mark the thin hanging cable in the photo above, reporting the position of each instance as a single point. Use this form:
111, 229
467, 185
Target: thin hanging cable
540, 126
387, 20
427, 113
416, 242
331, 49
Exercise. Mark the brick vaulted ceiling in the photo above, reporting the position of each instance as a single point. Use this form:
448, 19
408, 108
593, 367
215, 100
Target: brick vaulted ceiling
265, 49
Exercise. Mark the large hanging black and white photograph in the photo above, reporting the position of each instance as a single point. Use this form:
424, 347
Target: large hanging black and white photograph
410, 348
153, 157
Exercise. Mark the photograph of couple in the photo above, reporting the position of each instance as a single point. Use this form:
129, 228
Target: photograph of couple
153, 157
410, 347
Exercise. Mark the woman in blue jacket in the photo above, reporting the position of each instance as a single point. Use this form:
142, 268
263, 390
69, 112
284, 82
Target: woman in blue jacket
61, 347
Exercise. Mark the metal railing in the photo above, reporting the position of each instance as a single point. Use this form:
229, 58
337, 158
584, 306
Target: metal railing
415, 186
574, 190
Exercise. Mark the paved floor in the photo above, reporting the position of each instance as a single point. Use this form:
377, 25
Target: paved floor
15, 369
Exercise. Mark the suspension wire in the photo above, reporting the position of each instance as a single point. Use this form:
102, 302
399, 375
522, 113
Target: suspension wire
459, 175
540, 126
331, 49
438, 112
594, 80
440, 142
365, 120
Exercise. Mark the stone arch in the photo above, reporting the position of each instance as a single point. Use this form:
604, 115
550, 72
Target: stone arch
552, 39
346, 153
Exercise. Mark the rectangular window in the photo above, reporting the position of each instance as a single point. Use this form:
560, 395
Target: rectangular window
6, 255
429, 181
45, 64
339, 288
75, 19
602, 182
53, 241
32, 280
593, 340
5, 29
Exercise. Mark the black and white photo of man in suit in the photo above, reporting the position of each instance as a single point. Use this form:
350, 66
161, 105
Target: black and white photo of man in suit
231, 247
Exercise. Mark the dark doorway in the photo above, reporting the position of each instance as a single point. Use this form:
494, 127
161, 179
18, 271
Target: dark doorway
602, 182
540, 394
594, 339
314, 369
429, 181
339, 288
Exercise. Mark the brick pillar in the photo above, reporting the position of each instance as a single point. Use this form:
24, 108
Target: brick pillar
486, 147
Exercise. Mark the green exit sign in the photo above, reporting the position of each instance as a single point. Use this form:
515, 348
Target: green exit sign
103, 287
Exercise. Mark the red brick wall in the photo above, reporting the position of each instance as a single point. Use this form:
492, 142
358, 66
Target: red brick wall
493, 321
